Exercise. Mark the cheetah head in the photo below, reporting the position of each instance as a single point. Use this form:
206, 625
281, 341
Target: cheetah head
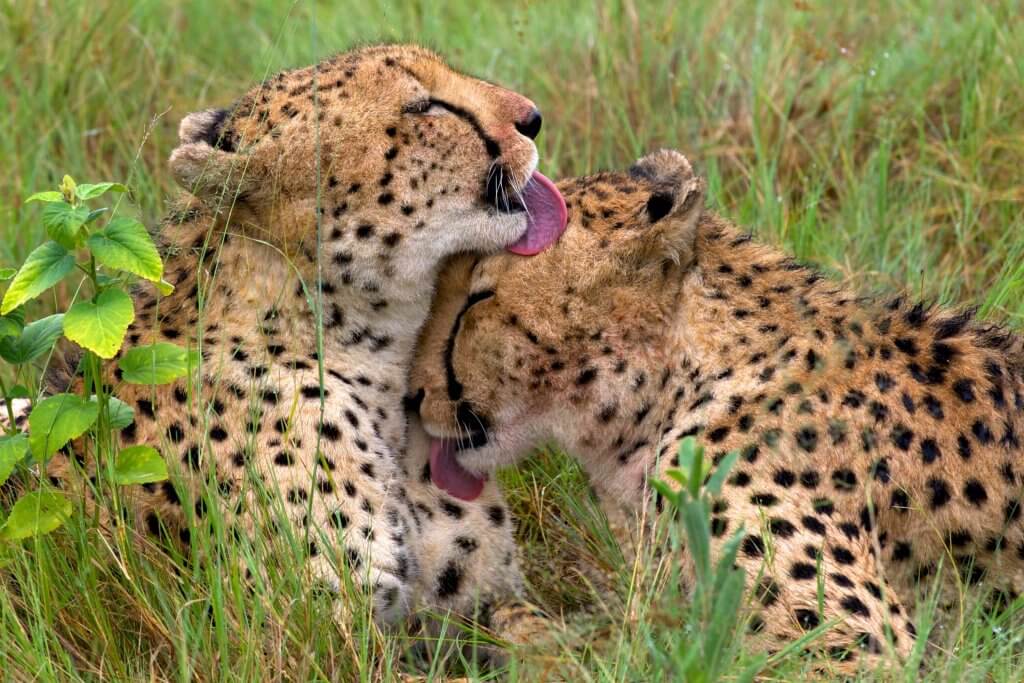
519, 351
397, 159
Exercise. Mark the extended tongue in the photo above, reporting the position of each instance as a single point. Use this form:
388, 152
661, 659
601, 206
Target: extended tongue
546, 216
448, 474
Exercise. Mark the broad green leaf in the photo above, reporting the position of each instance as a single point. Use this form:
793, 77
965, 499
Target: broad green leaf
100, 325
11, 325
45, 266
121, 414
37, 512
159, 363
126, 245
7, 273
94, 214
63, 223
139, 465
13, 449
37, 338
19, 391
48, 196
57, 420
93, 190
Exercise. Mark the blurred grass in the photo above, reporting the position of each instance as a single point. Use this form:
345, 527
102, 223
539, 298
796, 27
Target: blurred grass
883, 140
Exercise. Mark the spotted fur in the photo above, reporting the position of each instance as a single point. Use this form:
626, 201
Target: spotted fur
326, 197
877, 440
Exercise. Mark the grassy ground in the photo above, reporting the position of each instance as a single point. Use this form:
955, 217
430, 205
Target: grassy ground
883, 140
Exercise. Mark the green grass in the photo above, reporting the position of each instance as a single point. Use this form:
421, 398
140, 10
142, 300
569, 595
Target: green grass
884, 141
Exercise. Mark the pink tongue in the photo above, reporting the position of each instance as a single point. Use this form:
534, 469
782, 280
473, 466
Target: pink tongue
545, 216
448, 474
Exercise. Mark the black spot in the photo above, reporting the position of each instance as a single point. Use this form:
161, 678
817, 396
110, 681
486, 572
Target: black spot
809, 479
764, 499
906, 345
884, 382
284, 459
929, 451
781, 527
900, 501
933, 406
844, 479
496, 514
939, 492
146, 408
964, 389
449, 580
902, 437
901, 551
753, 546
807, 618
982, 432
842, 555
803, 571
853, 604
963, 447
784, 478
807, 438
813, 524
175, 433
975, 492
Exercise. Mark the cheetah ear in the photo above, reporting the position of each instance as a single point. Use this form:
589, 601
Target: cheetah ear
675, 204
205, 162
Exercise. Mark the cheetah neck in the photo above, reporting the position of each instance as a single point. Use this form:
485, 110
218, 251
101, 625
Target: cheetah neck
783, 324
240, 296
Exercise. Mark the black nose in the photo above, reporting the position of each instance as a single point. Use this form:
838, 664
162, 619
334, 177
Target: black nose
530, 126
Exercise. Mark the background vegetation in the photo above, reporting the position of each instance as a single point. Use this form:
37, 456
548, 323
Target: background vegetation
883, 140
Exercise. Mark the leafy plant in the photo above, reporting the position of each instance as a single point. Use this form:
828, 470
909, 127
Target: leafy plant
107, 259
716, 599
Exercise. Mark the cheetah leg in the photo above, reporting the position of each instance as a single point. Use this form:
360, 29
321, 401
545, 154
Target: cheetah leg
807, 568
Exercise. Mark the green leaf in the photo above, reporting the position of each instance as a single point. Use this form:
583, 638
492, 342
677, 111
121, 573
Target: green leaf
11, 325
159, 363
37, 512
57, 420
165, 287
48, 196
18, 391
93, 190
37, 338
126, 245
7, 273
139, 465
100, 325
94, 214
121, 414
63, 223
13, 450
45, 266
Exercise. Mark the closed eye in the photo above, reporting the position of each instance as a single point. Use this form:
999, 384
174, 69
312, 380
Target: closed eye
426, 107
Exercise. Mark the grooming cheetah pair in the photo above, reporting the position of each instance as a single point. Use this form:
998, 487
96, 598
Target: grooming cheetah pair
329, 196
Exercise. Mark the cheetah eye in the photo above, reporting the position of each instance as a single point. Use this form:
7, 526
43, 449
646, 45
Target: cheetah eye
426, 107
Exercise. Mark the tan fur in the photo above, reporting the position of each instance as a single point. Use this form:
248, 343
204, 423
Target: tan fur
883, 439
350, 174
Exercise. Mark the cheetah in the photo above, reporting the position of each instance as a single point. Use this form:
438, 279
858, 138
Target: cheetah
878, 441
316, 212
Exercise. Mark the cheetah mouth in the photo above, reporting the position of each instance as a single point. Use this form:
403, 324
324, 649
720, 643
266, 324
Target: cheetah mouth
540, 200
449, 475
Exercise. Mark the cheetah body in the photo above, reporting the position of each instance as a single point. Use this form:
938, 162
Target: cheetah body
877, 441
324, 199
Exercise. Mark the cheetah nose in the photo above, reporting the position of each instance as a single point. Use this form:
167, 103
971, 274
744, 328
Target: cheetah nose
530, 125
